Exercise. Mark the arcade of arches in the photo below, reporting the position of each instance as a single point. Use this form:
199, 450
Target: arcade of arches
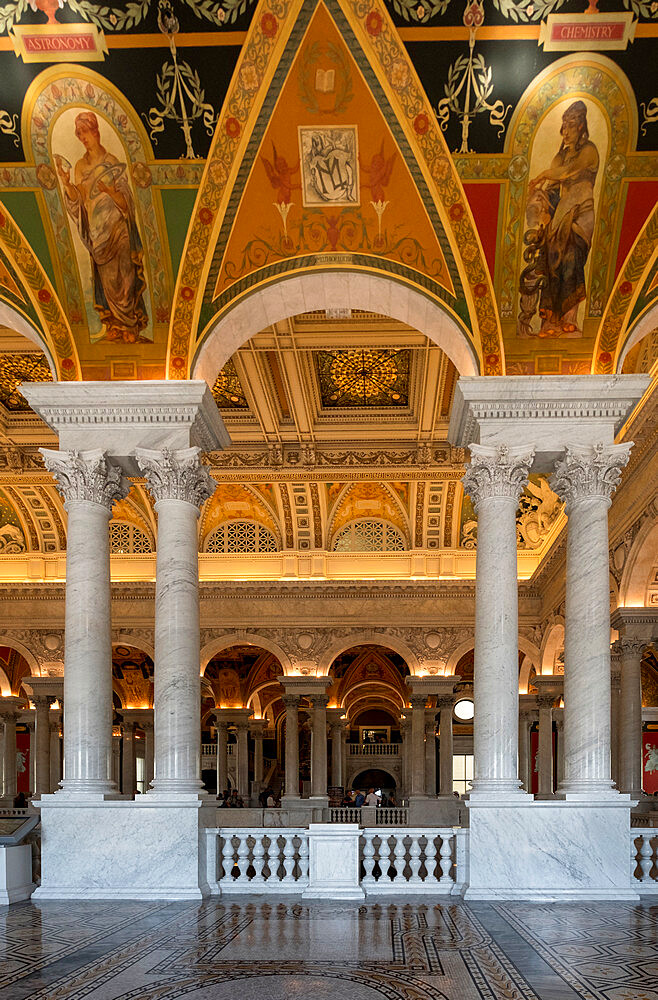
329, 451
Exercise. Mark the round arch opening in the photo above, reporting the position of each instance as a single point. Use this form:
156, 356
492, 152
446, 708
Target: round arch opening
374, 777
321, 291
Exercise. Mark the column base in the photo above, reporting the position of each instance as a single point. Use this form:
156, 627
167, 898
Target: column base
498, 791
172, 786
319, 801
291, 801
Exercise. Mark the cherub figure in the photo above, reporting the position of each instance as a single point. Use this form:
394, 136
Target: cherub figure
280, 176
380, 170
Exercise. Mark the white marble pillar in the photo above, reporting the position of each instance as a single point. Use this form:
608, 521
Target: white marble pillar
430, 754
630, 717
586, 479
418, 745
149, 757
545, 745
128, 774
42, 705
222, 758
55, 757
494, 480
90, 484
445, 704
291, 702
180, 485
525, 720
319, 746
257, 729
615, 699
9, 775
344, 736
405, 732
337, 754
243, 760
32, 779
559, 725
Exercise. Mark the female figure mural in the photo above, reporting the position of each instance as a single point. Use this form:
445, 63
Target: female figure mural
560, 217
100, 203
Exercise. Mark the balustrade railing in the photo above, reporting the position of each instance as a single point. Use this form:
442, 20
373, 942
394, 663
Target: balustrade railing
644, 859
344, 814
374, 749
392, 816
210, 749
257, 860
431, 861
383, 815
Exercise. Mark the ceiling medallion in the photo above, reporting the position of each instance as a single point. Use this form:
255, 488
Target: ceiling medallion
364, 377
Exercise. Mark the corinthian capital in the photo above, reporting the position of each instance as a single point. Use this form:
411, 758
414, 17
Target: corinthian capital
86, 475
176, 475
497, 472
590, 471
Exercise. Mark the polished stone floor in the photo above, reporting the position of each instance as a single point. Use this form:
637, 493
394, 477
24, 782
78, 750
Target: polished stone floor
255, 950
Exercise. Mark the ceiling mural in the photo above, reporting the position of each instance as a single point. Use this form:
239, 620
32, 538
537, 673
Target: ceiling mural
20, 367
359, 378
333, 140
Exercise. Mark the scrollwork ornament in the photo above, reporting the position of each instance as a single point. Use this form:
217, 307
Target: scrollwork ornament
500, 472
86, 475
589, 472
176, 475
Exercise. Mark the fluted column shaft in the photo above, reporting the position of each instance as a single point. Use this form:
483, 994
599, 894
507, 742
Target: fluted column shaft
418, 745
291, 703
89, 484
630, 717
180, 484
42, 744
494, 481
586, 479
445, 745
222, 759
319, 746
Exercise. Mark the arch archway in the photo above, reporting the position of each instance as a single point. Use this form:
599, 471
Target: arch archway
215, 646
639, 563
356, 290
368, 638
28, 656
374, 777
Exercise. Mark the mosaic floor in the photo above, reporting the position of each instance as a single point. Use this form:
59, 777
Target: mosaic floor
253, 950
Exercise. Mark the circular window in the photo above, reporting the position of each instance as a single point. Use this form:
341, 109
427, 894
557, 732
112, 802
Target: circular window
464, 710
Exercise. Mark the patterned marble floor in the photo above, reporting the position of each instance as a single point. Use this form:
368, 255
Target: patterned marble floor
255, 950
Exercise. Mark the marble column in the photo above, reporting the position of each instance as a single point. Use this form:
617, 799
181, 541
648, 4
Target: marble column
405, 732
418, 745
319, 746
32, 776
222, 757
615, 699
445, 704
8, 714
586, 479
128, 759
336, 727
525, 721
243, 760
257, 729
545, 745
291, 702
90, 484
343, 753
494, 480
559, 725
42, 705
55, 757
149, 755
430, 753
180, 485
630, 717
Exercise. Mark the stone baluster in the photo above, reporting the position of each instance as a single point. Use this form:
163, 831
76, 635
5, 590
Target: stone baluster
222, 757
586, 479
445, 704
128, 758
430, 754
291, 702
180, 485
319, 748
368, 857
494, 480
430, 856
630, 717
445, 862
90, 484
415, 860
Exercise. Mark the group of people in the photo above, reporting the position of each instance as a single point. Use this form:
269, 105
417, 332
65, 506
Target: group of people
357, 798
